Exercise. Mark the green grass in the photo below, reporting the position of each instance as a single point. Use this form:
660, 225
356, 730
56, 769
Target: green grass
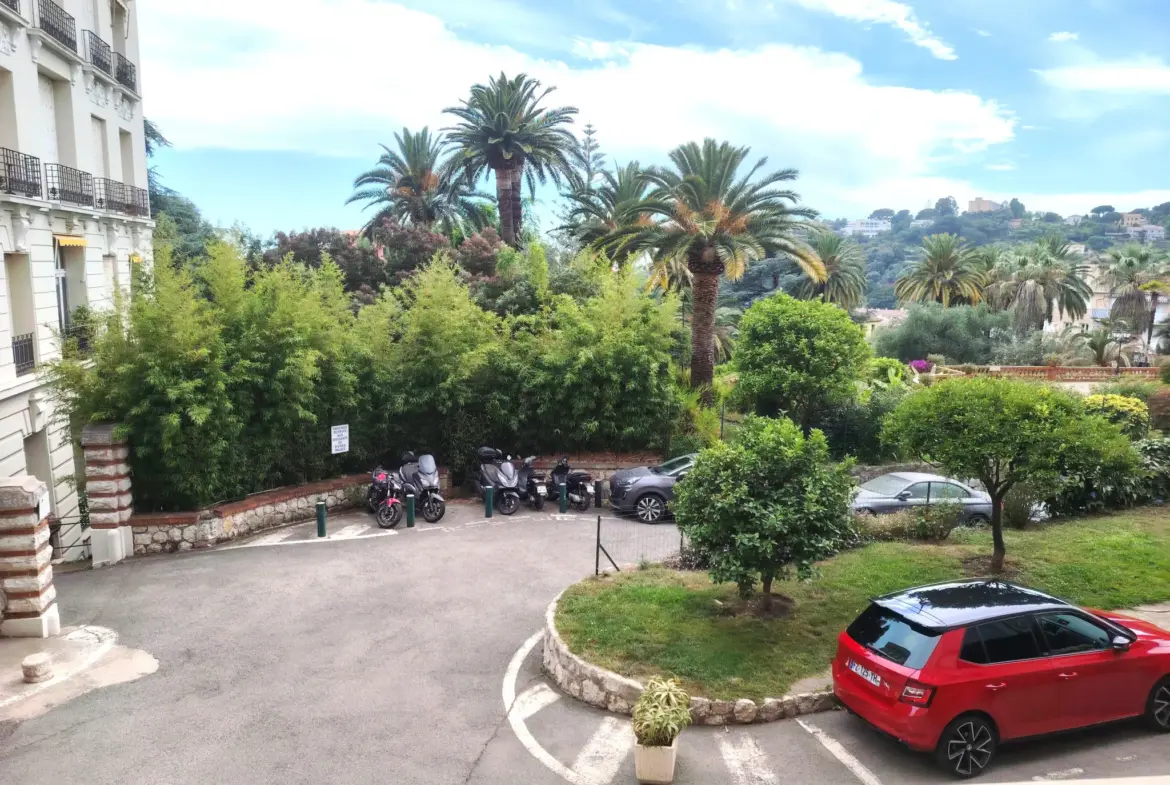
661, 622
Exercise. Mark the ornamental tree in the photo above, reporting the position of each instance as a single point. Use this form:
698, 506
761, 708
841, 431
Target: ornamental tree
1004, 433
769, 502
793, 356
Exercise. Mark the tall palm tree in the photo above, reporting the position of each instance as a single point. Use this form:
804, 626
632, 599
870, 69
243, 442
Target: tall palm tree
844, 262
716, 217
1137, 279
945, 273
410, 185
596, 212
504, 129
1035, 281
1107, 349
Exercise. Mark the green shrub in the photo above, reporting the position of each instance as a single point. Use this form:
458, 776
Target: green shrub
854, 428
962, 334
1130, 387
1164, 373
928, 523
1018, 504
1156, 462
886, 371
661, 713
1130, 414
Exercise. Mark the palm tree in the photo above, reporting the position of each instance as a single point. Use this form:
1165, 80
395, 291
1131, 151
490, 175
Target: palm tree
1137, 278
717, 219
945, 273
504, 129
726, 331
1036, 281
597, 212
844, 262
410, 185
1107, 348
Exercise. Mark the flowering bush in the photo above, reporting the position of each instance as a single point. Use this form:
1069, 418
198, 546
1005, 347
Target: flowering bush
1130, 414
922, 366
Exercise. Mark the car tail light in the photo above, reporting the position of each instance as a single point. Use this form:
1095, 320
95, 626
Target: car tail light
917, 694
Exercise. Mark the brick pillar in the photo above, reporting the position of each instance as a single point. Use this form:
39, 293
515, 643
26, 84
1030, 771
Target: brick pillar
107, 485
26, 570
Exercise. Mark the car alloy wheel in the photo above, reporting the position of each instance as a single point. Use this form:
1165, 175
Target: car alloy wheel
650, 508
967, 746
978, 519
1160, 706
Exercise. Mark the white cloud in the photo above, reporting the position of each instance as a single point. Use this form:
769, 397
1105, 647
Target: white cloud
887, 12
983, 33
332, 86
1063, 37
1001, 167
1142, 74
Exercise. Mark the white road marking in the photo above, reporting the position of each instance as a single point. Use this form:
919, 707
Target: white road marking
534, 699
1063, 774
274, 537
265, 541
349, 532
840, 753
745, 760
602, 756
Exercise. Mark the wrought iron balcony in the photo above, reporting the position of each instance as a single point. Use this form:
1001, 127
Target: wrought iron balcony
13, 4
58, 24
99, 52
69, 185
110, 195
126, 72
20, 174
24, 354
138, 201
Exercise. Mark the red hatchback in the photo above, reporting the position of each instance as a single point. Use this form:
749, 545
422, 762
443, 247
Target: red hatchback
957, 668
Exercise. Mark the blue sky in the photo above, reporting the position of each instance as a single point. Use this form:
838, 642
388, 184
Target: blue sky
274, 107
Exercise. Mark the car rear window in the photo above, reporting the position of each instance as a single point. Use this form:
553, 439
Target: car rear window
889, 635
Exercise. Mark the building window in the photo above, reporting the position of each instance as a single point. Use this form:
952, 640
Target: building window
126, 144
18, 281
69, 270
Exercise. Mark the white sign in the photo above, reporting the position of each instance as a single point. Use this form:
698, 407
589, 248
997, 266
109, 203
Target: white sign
340, 435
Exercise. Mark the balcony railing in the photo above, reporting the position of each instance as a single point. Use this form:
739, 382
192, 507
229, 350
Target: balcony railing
58, 24
69, 185
126, 72
139, 201
20, 174
98, 52
23, 354
80, 332
111, 195
13, 4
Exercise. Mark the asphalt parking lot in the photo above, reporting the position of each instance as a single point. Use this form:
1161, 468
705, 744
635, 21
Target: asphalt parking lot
368, 657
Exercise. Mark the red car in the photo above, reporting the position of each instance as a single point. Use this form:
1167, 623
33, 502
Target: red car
957, 668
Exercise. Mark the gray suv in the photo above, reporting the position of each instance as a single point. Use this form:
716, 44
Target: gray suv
646, 490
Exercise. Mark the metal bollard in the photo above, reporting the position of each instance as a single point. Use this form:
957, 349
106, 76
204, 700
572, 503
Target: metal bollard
489, 497
564, 499
320, 519
410, 510
598, 491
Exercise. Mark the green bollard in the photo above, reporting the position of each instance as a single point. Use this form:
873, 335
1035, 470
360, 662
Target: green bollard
410, 510
564, 499
320, 519
489, 498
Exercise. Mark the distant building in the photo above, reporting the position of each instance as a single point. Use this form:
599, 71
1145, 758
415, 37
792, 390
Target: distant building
1016, 223
1132, 219
866, 227
881, 317
1100, 305
1073, 220
1146, 233
921, 223
981, 205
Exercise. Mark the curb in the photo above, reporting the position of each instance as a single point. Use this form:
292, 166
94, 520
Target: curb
610, 691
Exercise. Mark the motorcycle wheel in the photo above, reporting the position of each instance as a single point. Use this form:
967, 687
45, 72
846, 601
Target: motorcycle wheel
433, 510
370, 503
389, 515
537, 501
583, 505
508, 503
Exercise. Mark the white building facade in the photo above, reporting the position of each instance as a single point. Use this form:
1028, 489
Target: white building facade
866, 227
74, 214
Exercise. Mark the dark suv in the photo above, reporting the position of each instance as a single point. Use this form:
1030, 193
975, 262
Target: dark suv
646, 490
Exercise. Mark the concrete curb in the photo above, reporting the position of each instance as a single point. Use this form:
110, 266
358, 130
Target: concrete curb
610, 691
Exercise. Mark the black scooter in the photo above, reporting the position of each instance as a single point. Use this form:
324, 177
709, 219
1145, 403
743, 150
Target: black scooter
420, 476
576, 485
533, 485
383, 498
496, 470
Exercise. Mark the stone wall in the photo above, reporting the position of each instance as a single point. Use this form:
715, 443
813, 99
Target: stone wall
183, 531
612, 692
28, 599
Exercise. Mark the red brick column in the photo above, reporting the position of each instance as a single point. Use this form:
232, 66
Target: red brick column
26, 571
107, 485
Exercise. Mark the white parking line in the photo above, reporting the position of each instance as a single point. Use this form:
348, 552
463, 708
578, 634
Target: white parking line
746, 761
349, 532
840, 753
602, 756
534, 699
1064, 774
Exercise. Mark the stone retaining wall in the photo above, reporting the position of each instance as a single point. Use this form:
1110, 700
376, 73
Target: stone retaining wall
182, 531
608, 690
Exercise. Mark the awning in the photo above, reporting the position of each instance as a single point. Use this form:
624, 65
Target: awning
69, 241
135, 258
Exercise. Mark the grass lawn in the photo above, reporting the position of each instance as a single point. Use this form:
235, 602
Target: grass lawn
659, 621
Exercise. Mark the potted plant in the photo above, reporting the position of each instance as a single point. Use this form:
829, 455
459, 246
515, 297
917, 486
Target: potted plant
659, 717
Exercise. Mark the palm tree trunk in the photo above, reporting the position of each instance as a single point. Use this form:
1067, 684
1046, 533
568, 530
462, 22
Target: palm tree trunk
504, 205
517, 204
704, 294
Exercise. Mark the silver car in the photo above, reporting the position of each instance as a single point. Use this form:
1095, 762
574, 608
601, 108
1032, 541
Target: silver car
901, 490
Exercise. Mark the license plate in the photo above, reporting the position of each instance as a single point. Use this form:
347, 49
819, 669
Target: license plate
865, 673
540, 489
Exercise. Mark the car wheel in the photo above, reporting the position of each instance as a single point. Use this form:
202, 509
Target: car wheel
978, 519
650, 508
864, 511
1158, 707
967, 746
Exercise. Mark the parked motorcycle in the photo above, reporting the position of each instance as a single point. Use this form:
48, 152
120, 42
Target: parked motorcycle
496, 470
420, 476
533, 485
383, 498
576, 485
